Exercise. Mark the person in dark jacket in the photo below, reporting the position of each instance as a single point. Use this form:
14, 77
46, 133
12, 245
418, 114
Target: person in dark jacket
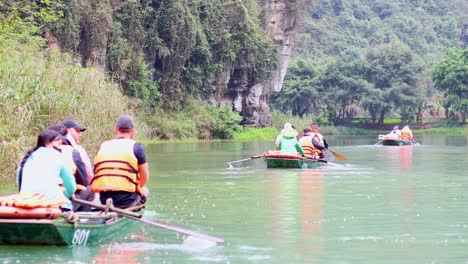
78, 167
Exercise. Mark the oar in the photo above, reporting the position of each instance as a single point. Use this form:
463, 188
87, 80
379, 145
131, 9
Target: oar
138, 217
251, 158
337, 155
317, 160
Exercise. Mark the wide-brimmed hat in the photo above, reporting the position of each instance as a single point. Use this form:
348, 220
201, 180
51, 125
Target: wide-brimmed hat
289, 132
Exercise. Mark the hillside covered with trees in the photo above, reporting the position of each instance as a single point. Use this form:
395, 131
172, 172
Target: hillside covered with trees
378, 59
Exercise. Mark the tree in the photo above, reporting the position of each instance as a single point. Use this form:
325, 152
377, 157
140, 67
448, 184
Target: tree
342, 87
393, 71
450, 75
299, 94
26, 20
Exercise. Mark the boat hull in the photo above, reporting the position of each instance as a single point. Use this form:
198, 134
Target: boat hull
89, 229
291, 163
394, 142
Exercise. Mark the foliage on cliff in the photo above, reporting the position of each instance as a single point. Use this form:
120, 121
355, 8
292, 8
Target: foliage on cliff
168, 52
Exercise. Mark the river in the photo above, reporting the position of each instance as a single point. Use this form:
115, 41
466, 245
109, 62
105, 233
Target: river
383, 204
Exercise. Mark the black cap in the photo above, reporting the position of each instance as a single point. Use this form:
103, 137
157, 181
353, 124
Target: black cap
72, 124
125, 122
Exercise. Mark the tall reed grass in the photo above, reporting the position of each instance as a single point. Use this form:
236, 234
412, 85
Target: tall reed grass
38, 89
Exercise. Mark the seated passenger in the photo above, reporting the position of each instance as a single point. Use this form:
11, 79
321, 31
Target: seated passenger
73, 157
44, 167
407, 134
278, 138
306, 143
395, 133
288, 143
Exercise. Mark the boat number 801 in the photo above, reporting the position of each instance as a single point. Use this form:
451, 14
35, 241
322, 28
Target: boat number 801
80, 237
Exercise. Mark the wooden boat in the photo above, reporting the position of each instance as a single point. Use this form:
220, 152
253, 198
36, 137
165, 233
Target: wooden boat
86, 228
35, 219
392, 141
275, 159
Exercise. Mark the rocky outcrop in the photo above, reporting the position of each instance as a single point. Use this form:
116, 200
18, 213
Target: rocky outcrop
251, 100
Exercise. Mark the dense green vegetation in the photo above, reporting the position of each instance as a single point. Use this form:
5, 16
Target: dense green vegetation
352, 58
450, 76
39, 89
374, 58
167, 52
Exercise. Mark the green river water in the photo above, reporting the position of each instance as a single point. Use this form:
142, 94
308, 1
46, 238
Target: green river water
382, 205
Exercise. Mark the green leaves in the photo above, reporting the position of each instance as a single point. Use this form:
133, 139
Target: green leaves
450, 75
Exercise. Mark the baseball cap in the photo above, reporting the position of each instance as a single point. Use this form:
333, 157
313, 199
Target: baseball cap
72, 124
125, 122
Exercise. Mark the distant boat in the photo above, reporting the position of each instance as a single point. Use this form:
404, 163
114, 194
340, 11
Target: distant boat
392, 141
276, 159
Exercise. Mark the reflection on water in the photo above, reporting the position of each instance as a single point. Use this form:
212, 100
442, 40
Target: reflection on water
311, 199
297, 203
399, 156
117, 253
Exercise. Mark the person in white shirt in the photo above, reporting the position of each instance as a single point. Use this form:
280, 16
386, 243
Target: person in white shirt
395, 133
43, 168
73, 137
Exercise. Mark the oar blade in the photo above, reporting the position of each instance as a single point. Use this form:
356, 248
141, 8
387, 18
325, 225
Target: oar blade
181, 230
338, 155
236, 161
137, 217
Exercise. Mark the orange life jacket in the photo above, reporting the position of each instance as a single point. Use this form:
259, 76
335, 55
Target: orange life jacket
116, 167
307, 146
406, 134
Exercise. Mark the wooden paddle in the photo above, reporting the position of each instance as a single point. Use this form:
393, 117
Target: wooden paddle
138, 217
337, 155
317, 160
251, 158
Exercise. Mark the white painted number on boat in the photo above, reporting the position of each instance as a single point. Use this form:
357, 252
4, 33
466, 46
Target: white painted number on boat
80, 237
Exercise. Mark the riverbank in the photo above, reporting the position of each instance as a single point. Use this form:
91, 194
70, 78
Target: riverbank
251, 134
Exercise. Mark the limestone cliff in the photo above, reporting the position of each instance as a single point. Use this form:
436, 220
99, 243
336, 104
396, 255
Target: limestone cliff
251, 100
